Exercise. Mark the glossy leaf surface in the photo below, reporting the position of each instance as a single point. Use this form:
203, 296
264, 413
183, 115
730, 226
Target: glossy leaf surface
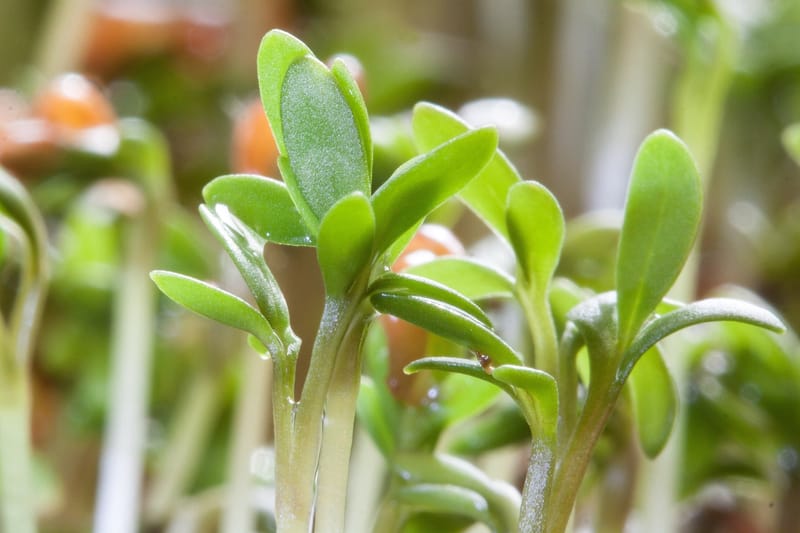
470, 277
425, 182
446, 321
486, 194
216, 304
345, 242
536, 229
262, 203
655, 401
662, 216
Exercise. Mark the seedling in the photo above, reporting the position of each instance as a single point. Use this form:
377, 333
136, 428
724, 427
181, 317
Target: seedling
325, 200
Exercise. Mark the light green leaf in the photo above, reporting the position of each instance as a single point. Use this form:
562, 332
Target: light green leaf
345, 241
655, 401
542, 391
17, 203
245, 249
262, 203
791, 141
662, 216
504, 425
709, 310
486, 194
461, 397
418, 286
216, 304
470, 277
536, 230
445, 499
355, 99
427, 181
372, 413
446, 321
322, 140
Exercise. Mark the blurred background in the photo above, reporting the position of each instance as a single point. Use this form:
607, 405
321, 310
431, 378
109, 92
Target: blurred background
573, 86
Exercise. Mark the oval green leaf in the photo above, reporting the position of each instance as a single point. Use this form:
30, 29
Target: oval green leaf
216, 304
536, 230
662, 217
472, 278
486, 194
262, 203
345, 241
655, 401
422, 184
322, 140
791, 141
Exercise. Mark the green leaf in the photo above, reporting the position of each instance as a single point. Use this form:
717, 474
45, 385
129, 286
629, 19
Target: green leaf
709, 310
655, 401
245, 249
216, 304
461, 397
345, 241
457, 365
17, 203
418, 286
262, 203
427, 181
791, 141
322, 140
446, 321
541, 388
470, 277
536, 230
662, 216
351, 92
502, 426
445, 499
486, 194
423, 468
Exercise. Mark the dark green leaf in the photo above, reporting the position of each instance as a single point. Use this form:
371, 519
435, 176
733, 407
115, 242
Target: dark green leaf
345, 242
710, 310
655, 401
245, 249
216, 304
486, 194
470, 277
411, 285
536, 230
446, 499
446, 321
425, 182
263, 204
662, 216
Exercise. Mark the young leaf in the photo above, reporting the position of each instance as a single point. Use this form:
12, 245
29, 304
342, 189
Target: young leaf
216, 304
245, 249
470, 277
262, 203
322, 139
446, 499
418, 286
541, 388
486, 194
709, 310
655, 401
425, 182
536, 230
457, 365
446, 321
662, 216
351, 92
345, 240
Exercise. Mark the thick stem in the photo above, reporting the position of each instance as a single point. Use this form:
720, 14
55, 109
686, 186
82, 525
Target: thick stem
337, 436
536, 493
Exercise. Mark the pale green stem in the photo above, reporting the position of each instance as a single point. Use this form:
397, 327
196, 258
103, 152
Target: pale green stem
542, 329
194, 417
17, 504
367, 479
337, 433
538, 485
249, 431
120, 476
